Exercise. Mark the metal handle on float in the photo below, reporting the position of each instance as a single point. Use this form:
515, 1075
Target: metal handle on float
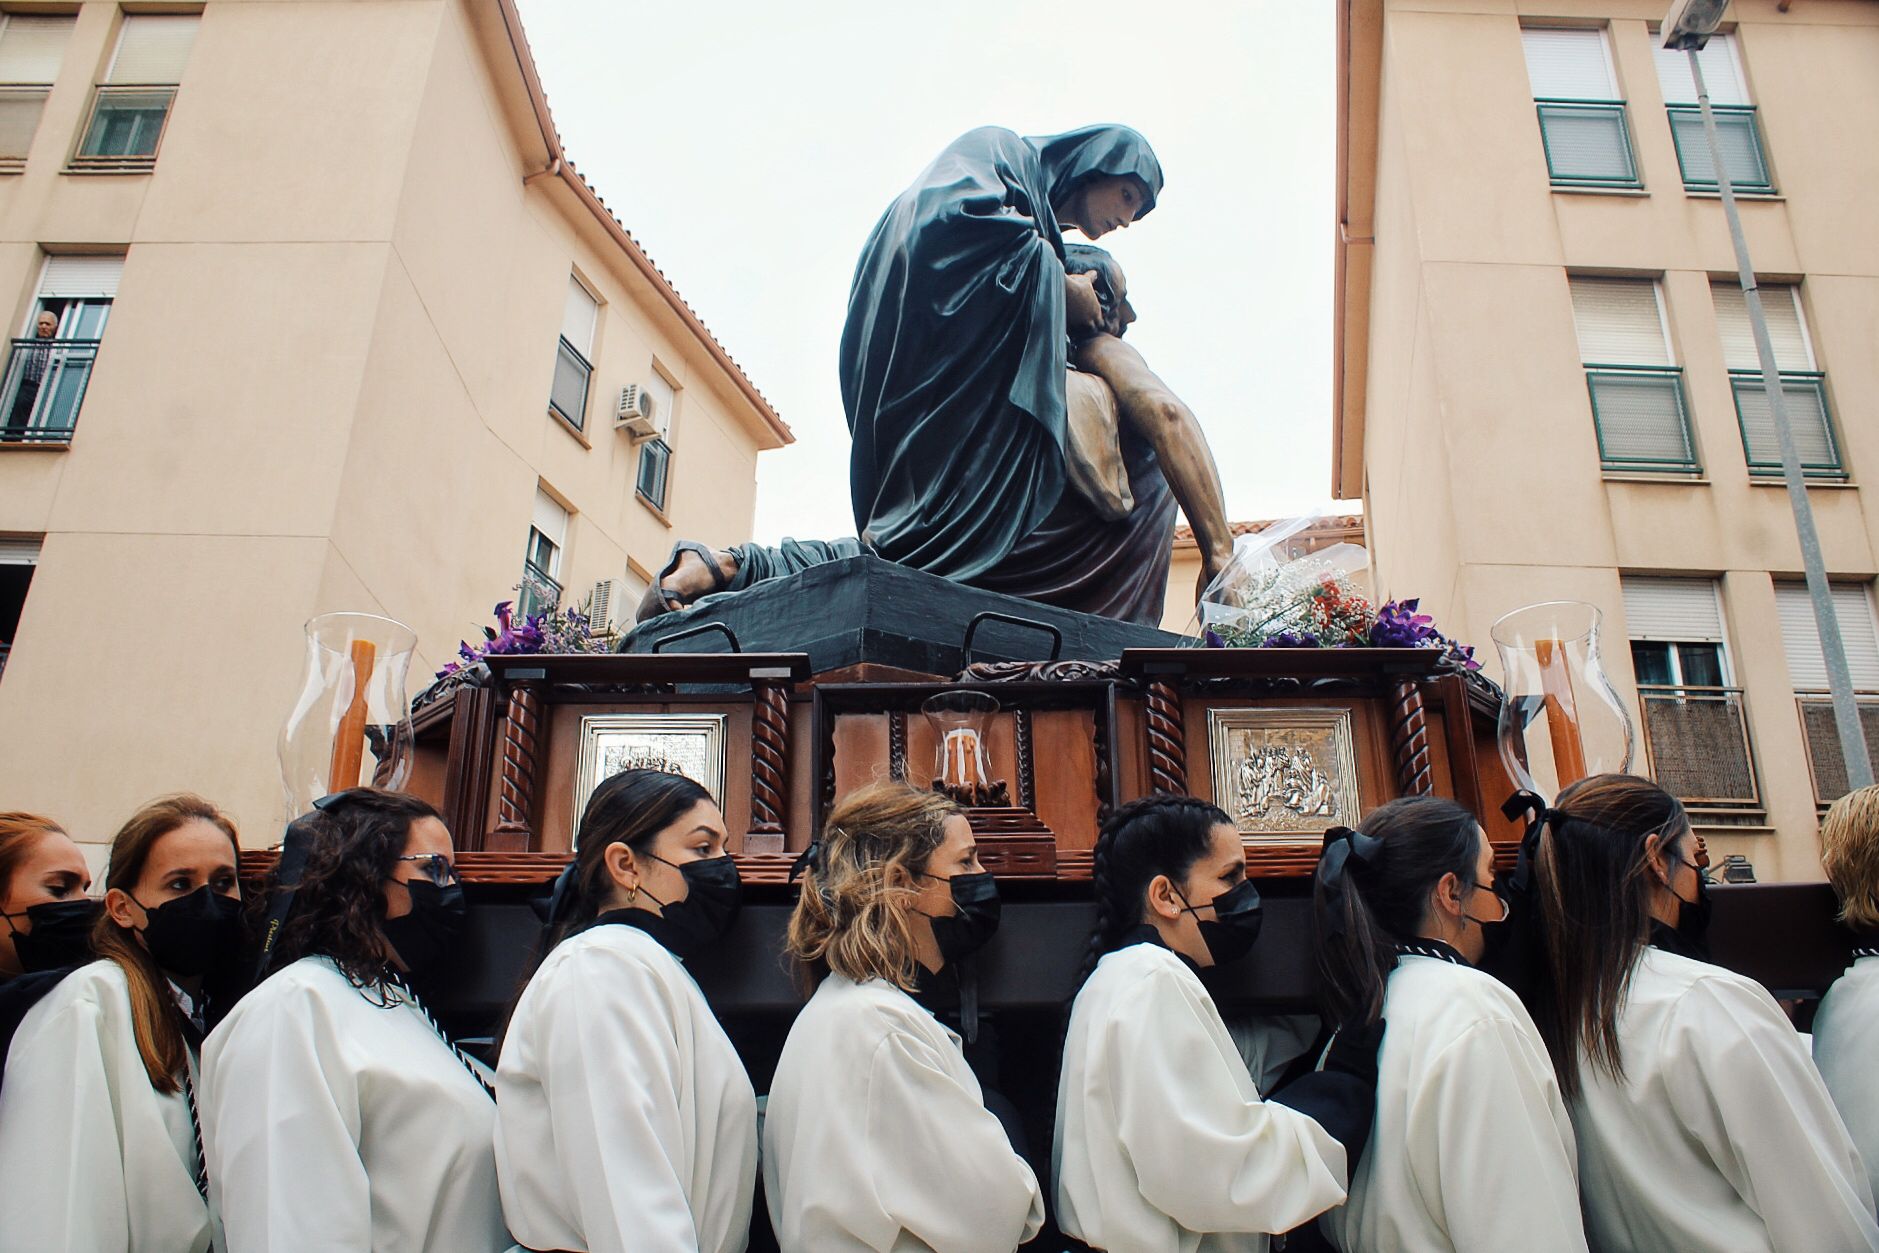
972, 628
702, 628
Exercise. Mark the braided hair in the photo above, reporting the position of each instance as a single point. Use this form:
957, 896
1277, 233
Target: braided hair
1157, 835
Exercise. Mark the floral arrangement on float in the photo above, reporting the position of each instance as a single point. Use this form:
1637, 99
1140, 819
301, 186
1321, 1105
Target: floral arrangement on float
556, 631
1274, 595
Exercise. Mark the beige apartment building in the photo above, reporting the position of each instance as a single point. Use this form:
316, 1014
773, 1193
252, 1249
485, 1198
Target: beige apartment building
1546, 386
309, 312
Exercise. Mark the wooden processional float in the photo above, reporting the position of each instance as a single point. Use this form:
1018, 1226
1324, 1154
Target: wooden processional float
1041, 721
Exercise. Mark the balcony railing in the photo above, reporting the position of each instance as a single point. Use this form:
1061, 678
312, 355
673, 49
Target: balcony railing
125, 128
43, 388
1643, 424
1698, 742
1806, 394
540, 592
1823, 740
1741, 149
1588, 143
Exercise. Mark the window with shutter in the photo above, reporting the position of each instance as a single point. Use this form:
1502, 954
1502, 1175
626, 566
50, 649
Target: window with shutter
131, 107
1803, 386
655, 465
18, 559
1736, 125
665, 402
1636, 388
31, 49
1800, 637
1807, 670
567, 395
1696, 731
1583, 128
540, 589
49, 366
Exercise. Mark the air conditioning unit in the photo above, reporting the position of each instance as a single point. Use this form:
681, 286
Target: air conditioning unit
638, 414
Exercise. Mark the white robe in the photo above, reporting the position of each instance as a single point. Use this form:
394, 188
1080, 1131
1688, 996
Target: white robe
876, 1135
624, 1119
1846, 1048
1472, 1148
334, 1123
1721, 1137
91, 1156
1162, 1141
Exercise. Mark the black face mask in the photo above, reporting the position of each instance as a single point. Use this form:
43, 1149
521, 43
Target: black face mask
193, 935
1693, 916
61, 934
1233, 930
434, 924
714, 896
974, 919
1494, 933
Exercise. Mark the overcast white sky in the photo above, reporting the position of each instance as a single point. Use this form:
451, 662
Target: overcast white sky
750, 146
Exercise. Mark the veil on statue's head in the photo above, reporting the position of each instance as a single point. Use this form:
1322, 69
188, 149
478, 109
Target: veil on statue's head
1075, 157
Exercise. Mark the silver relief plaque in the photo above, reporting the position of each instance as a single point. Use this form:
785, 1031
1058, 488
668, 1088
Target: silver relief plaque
1284, 772
687, 744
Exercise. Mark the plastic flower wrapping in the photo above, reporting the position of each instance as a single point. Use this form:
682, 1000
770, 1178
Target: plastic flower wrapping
1275, 595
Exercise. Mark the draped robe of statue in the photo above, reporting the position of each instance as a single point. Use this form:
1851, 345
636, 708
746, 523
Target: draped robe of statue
953, 360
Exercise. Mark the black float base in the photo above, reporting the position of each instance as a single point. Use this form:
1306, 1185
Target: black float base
867, 611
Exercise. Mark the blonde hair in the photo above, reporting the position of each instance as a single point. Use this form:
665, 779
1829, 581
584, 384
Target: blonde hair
18, 833
155, 1019
852, 917
1849, 850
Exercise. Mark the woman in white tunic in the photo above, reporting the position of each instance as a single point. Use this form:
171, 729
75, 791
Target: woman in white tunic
98, 1141
624, 1119
1472, 1149
1703, 1125
1163, 1142
875, 1134
336, 1113
1846, 1029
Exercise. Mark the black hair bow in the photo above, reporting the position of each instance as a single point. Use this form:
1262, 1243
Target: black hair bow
1342, 846
561, 895
1538, 815
809, 859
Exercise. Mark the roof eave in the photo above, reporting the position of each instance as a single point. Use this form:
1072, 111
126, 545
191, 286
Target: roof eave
557, 165
1359, 82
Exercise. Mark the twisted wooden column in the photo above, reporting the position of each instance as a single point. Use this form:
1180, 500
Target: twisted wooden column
897, 745
515, 797
1027, 762
1101, 745
1167, 739
1409, 739
769, 766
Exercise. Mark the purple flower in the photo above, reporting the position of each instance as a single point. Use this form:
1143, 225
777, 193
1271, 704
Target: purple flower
1291, 639
1212, 640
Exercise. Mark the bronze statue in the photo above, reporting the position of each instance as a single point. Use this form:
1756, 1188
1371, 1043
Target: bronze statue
967, 317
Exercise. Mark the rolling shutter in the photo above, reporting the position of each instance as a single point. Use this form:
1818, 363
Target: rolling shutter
1800, 638
1618, 321
88, 277
31, 48
1569, 64
153, 49
1681, 611
1722, 73
1781, 303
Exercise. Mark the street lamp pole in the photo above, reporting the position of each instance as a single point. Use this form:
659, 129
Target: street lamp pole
1833, 650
